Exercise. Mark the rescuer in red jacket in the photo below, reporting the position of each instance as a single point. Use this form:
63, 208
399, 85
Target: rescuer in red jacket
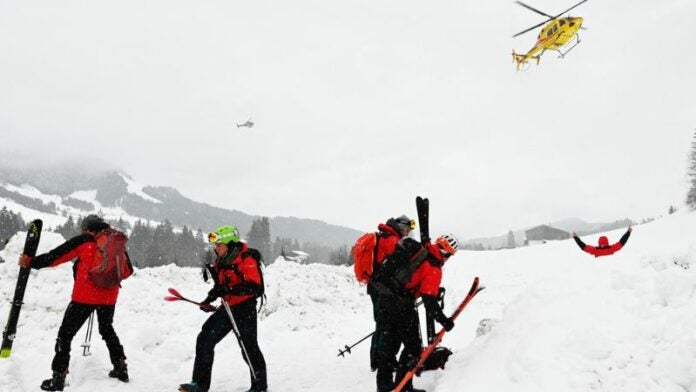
603, 248
399, 285
388, 236
238, 282
87, 297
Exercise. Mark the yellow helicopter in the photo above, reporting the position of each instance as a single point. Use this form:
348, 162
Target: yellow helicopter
557, 33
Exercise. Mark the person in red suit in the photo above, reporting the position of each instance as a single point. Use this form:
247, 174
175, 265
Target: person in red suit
603, 248
87, 297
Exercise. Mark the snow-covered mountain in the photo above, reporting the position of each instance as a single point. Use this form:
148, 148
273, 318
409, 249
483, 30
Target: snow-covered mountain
54, 194
559, 320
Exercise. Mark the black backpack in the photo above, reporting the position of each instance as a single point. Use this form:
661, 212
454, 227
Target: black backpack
397, 269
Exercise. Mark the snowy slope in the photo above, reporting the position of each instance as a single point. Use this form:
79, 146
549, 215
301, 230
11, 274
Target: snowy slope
90, 196
563, 321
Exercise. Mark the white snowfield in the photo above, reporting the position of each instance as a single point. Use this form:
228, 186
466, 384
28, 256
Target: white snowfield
561, 320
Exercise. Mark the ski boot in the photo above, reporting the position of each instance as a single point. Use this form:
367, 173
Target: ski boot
191, 387
55, 383
120, 371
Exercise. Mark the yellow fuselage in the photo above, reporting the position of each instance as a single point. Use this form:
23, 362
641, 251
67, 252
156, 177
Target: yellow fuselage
554, 35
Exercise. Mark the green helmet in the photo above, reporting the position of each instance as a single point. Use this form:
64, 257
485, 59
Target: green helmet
224, 234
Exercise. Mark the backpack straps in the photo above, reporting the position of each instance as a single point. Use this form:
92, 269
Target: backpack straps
249, 288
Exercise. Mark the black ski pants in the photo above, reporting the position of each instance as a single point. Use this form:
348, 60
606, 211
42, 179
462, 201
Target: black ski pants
75, 316
372, 292
398, 324
215, 329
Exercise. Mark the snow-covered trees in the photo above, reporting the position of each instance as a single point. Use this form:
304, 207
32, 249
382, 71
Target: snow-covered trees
259, 237
691, 196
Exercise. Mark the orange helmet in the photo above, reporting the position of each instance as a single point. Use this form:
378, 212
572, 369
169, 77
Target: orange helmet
448, 243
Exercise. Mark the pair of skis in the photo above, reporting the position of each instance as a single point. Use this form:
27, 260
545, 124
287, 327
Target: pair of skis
423, 209
475, 289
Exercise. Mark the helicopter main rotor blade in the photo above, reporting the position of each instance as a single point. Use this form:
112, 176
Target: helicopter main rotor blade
533, 9
531, 28
569, 9
546, 21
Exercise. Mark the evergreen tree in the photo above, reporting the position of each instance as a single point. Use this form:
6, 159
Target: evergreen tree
161, 250
10, 224
68, 229
139, 243
510, 243
259, 237
341, 256
691, 195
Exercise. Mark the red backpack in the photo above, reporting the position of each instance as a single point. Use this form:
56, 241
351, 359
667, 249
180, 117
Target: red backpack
110, 265
364, 256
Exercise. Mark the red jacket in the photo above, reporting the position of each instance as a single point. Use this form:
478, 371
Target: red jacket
82, 248
242, 266
387, 239
427, 278
603, 248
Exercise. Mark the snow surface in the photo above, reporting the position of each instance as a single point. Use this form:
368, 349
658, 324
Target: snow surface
558, 320
137, 189
90, 196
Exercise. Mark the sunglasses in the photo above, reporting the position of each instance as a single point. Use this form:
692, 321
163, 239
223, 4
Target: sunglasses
410, 224
214, 238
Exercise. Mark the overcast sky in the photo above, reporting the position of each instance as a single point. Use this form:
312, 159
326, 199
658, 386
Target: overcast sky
361, 105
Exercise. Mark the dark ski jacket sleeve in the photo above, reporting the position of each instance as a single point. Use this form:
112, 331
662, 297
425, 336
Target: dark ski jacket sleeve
624, 238
433, 309
579, 242
64, 252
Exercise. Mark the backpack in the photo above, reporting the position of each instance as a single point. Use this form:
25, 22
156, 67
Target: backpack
110, 265
256, 255
364, 254
399, 267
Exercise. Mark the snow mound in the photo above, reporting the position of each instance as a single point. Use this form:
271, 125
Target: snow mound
551, 318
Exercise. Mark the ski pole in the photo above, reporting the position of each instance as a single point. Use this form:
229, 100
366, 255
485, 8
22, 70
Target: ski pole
88, 336
341, 353
176, 296
239, 338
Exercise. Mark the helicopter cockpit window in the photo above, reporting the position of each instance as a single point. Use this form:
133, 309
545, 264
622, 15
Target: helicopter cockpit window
571, 24
562, 22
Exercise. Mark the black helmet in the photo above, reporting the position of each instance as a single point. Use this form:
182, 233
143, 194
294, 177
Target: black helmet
402, 223
93, 222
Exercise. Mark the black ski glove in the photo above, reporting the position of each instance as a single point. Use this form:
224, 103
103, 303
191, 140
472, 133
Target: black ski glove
217, 291
206, 304
447, 323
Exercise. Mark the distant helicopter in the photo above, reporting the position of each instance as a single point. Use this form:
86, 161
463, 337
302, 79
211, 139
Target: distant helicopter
248, 124
557, 33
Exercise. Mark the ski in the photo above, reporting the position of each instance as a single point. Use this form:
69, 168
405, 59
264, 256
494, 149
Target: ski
475, 289
423, 209
30, 246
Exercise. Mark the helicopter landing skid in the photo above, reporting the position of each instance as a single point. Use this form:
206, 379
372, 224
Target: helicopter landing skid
562, 55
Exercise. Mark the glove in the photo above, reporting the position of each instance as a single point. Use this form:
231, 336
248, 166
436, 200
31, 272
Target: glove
447, 324
216, 292
206, 306
24, 260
